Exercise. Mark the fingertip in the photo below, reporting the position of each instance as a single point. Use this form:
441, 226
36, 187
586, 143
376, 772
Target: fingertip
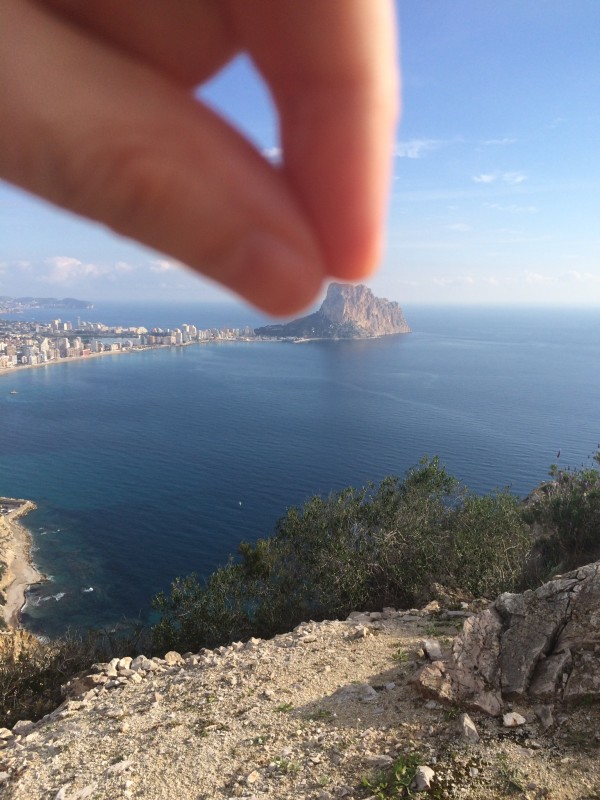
273, 275
353, 258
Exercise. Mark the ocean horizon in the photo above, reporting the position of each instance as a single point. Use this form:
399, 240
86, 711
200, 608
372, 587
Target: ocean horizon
156, 464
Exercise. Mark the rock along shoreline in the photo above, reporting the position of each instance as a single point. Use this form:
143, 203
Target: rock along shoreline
18, 571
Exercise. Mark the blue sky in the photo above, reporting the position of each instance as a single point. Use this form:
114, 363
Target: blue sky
496, 188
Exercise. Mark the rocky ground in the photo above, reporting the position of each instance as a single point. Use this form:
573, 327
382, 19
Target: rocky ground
16, 570
330, 710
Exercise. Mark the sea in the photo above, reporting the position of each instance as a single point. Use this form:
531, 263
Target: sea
152, 465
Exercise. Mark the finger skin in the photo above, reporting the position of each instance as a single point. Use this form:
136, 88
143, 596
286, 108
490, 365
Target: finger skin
186, 40
332, 66
99, 126
97, 133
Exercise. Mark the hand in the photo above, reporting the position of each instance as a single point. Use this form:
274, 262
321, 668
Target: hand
98, 115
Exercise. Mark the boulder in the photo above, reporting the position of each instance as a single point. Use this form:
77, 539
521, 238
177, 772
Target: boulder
542, 645
348, 312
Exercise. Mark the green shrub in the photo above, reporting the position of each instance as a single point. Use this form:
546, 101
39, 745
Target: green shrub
31, 676
356, 549
489, 544
32, 671
565, 516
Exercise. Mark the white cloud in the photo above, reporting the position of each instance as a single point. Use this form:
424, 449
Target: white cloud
513, 177
164, 265
538, 279
571, 277
456, 280
68, 270
460, 227
512, 209
416, 148
575, 276
65, 269
273, 154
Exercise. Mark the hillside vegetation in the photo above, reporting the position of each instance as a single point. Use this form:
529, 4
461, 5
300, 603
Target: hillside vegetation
396, 544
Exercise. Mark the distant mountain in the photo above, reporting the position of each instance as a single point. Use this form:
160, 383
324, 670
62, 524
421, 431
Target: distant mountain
45, 302
348, 312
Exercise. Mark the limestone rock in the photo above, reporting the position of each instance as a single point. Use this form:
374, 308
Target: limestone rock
542, 644
348, 312
433, 650
468, 731
422, 780
172, 658
513, 720
357, 691
23, 727
545, 714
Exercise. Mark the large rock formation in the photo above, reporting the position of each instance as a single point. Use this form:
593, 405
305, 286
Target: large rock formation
543, 645
348, 312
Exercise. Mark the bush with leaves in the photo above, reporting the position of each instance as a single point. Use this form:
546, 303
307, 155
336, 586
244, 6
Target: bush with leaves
32, 670
565, 515
488, 544
356, 549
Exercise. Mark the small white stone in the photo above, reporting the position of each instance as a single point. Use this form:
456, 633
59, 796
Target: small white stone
422, 780
380, 761
87, 791
22, 726
433, 649
468, 731
119, 767
513, 720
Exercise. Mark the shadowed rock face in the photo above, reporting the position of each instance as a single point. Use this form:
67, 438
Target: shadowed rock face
348, 312
543, 645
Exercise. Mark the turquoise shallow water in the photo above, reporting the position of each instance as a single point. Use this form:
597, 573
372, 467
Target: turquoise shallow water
153, 465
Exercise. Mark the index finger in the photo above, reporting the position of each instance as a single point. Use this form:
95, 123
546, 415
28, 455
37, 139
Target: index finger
332, 67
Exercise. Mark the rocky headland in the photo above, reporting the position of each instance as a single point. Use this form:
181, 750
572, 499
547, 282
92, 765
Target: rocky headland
348, 312
16, 569
336, 710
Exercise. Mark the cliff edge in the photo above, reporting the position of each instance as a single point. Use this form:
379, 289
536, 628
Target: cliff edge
348, 312
332, 710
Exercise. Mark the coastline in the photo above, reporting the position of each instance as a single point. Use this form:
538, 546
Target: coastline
19, 572
23, 367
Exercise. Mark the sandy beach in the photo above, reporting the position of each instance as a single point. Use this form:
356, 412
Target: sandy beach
22, 367
15, 558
